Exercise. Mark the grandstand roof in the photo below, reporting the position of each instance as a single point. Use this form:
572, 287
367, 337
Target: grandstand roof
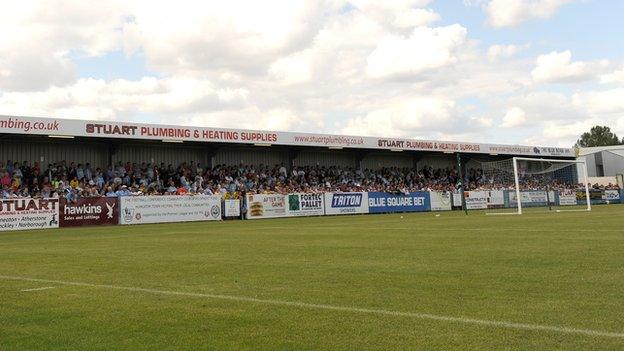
55, 127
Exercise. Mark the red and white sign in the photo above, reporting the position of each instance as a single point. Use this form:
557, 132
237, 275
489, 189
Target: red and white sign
27, 214
102, 129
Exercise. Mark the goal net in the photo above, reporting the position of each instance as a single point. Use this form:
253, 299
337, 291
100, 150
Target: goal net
523, 183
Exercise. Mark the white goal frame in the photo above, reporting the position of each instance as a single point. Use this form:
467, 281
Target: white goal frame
578, 162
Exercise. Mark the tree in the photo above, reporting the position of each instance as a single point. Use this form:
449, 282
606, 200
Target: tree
598, 136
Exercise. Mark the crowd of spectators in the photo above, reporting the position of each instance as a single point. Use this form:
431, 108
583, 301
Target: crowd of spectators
72, 181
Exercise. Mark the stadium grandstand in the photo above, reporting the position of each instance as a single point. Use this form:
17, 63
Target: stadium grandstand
76, 159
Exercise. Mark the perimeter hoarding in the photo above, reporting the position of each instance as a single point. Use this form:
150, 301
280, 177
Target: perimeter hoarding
567, 197
532, 197
169, 208
440, 200
266, 206
231, 208
27, 214
379, 202
346, 203
301, 204
89, 211
127, 130
480, 200
291, 205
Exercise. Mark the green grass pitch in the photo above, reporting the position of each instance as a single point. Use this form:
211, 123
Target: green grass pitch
541, 281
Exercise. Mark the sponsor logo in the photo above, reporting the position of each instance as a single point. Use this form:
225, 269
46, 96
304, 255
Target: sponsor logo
83, 209
18, 205
53, 221
346, 200
293, 202
109, 211
311, 201
215, 211
128, 214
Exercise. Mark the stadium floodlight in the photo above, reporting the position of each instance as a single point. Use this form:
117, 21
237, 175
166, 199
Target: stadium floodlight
536, 182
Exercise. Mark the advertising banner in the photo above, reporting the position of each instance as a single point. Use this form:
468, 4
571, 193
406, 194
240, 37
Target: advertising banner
480, 200
567, 197
134, 131
169, 208
532, 197
231, 208
89, 211
440, 201
596, 195
611, 196
27, 214
386, 202
306, 205
346, 203
266, 206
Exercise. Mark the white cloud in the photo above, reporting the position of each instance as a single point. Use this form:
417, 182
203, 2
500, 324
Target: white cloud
37, 37
405, 118
613, 77
601, 103
496, 51
509, 13
557, 67
515, 117
425, 49
415, 18
292, 69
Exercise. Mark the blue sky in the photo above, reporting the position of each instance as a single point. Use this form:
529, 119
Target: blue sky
510, 71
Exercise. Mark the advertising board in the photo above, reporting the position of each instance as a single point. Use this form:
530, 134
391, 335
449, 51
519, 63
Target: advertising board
169, 208
231, 208
27, 214
266, 206
306, 204
346, 203
440, 200
89, 211
379, 202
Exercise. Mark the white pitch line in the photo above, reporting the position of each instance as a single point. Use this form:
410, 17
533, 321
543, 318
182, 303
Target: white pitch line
484, 322
39, 289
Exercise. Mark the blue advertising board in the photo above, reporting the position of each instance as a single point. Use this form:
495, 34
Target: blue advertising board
418, 201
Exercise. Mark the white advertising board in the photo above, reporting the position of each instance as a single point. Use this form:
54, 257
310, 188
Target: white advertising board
612, 195
567, 197
440, 201
169, 208
532, 197
231, 208
266, 206
346, 203
306, 204
480, 200
28, 214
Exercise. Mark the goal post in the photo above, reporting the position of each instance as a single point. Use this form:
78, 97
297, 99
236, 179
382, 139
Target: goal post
510, 186
565, 163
